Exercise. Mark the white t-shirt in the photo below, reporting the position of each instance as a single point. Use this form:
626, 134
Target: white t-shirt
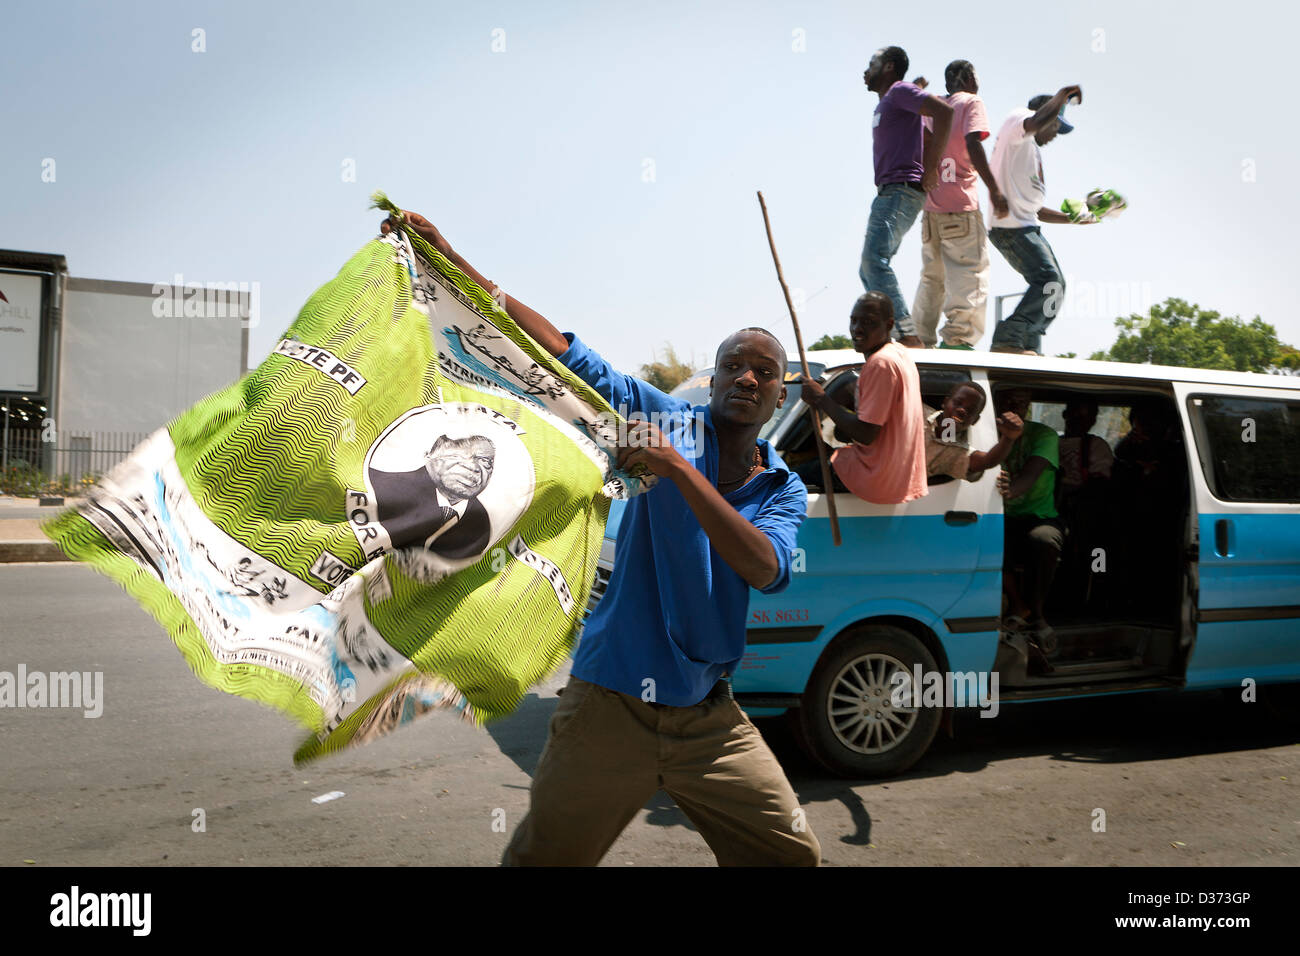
1018, 168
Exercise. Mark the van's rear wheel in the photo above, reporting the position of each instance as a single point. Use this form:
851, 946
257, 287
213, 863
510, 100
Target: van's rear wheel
851, 721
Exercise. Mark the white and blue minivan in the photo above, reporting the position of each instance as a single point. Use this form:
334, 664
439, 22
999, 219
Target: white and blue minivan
1177, 573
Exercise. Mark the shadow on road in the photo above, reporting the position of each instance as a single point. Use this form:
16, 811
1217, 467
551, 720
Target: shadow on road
1133, 728
522, 735
1128, 729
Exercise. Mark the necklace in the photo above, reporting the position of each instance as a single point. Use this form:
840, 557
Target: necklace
758, 463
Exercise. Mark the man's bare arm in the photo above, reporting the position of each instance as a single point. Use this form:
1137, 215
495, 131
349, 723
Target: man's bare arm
746, 550
534, 323
941, 113
1020, 483
984, 460
1053, 215
864, 433
1051, 108
1010, 428
975, 148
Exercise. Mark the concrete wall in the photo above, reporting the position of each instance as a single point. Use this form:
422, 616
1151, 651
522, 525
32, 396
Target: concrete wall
124, 369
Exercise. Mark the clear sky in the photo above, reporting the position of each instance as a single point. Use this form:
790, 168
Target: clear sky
535, 159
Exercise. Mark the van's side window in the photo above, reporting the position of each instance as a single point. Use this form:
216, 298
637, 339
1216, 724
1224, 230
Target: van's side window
1254, 447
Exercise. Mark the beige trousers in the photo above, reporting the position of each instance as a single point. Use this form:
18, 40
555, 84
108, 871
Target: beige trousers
607, 754
954, 278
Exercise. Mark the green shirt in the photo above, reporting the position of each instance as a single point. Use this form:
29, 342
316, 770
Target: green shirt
1037, 440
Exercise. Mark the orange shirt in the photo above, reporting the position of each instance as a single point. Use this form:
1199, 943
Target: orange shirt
891, 470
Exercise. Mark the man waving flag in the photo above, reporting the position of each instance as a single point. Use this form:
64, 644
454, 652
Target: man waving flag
398, 511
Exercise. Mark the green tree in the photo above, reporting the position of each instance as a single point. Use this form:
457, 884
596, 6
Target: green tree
1288, 360
666, 375
1176, 333
831, 342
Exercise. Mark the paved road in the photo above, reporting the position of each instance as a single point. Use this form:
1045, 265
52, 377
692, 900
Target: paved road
27, 513
1183, 779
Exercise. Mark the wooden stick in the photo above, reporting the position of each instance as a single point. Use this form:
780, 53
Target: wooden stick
827, 483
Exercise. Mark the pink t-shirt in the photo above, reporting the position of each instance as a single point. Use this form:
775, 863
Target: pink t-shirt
891, 470
957, 191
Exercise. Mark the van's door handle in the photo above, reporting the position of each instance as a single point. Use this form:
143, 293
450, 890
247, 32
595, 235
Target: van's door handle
1222, 538
960, 517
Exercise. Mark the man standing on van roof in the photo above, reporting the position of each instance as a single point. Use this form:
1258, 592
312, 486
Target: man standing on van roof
954, 244
906, 166
648, 705
1018, 169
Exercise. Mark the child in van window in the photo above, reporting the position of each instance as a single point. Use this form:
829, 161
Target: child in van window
885, 464
947, 448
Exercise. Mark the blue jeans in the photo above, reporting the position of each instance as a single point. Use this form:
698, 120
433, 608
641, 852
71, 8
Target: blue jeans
893, 212
1030, 255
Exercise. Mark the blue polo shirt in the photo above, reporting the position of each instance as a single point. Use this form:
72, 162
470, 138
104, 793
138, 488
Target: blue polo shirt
674, 611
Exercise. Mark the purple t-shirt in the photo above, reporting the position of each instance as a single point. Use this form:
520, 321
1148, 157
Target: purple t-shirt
896, 139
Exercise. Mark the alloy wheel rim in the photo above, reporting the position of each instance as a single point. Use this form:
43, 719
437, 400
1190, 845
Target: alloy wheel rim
863, 714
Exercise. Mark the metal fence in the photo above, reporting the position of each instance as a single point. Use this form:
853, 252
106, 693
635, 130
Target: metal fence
31, 464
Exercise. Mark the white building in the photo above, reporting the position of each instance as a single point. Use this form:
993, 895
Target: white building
87, 366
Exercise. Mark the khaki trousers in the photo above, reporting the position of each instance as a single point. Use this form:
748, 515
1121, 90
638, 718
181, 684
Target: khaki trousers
607, 754
954, 278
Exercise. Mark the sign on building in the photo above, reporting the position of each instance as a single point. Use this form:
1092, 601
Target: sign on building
20, 332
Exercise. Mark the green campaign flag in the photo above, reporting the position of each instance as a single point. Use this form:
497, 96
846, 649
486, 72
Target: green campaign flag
398, 511
1102, 203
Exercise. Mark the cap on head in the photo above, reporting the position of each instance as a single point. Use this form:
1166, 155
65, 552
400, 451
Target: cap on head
1037, 103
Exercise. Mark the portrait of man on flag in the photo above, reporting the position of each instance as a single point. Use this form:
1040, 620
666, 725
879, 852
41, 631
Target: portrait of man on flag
437, 505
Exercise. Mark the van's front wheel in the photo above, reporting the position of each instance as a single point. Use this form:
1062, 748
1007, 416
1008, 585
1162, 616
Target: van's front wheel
858, 719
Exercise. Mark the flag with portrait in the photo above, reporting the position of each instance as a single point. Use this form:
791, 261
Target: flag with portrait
398, 511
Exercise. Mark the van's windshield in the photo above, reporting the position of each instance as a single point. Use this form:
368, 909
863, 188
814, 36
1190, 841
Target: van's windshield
696, 391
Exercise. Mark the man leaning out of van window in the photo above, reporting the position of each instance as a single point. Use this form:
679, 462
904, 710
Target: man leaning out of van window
885, 464
947, 430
